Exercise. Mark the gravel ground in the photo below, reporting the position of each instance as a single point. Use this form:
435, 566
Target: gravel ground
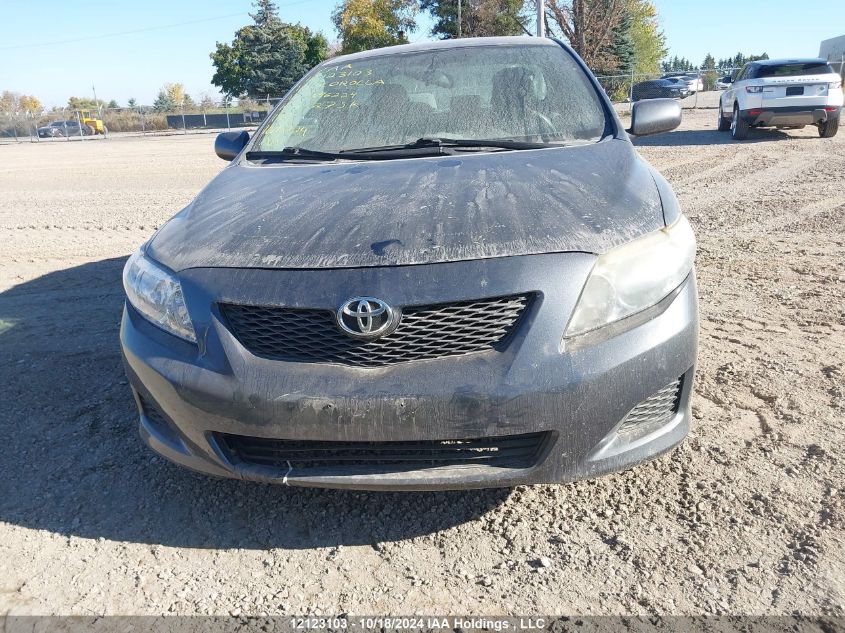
746, 517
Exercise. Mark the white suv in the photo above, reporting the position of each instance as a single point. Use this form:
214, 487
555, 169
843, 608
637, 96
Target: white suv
782, 93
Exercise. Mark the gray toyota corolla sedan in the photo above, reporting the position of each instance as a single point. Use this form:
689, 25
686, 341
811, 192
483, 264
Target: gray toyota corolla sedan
440, 265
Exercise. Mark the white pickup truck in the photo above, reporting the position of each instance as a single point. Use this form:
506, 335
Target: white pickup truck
782, 93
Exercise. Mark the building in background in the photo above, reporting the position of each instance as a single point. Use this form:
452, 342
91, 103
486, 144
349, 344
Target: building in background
833, 50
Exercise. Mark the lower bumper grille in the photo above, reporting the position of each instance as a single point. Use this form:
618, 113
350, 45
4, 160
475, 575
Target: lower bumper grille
513, 451
654, 411
158, 420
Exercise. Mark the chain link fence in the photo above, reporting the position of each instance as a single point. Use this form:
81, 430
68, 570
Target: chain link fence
80, 125
65, 125
703, 87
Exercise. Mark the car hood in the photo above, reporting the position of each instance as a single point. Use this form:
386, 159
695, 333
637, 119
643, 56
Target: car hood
586, 198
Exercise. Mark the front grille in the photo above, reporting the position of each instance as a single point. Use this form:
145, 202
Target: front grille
511, 451
654, 411
423, 333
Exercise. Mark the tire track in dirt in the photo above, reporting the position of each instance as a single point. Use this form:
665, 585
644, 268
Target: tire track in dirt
745, 517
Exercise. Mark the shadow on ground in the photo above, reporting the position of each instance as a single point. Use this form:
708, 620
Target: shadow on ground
680, 138
73, 463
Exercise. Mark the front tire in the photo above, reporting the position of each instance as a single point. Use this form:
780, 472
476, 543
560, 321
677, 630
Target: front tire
739, 127
829, 128
724, 123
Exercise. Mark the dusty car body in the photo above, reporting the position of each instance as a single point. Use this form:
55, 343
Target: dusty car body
412, 316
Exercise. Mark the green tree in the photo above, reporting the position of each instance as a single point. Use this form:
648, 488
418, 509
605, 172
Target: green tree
172, 96
132, 103
164, 102
649, 41
316, 45
479, 18
366, 24
678, 64
266, 57
112, 104
623, 53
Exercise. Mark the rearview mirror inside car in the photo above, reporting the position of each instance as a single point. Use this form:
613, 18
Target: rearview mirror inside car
653, 116
229, 144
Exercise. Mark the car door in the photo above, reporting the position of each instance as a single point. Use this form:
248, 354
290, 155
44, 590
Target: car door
730, 95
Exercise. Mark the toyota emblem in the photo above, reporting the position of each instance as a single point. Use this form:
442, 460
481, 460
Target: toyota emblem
367, 317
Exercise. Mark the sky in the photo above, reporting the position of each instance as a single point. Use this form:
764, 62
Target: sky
55, 50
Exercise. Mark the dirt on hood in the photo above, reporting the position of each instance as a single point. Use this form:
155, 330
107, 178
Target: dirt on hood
586, 198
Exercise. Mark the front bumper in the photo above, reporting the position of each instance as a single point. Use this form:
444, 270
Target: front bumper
789, 115
577, 392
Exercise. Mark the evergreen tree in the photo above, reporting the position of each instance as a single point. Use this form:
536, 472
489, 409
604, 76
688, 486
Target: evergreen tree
479, 18
268, 56
164, 102
622, 49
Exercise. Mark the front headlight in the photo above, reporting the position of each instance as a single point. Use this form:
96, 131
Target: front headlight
157, 295
634, 276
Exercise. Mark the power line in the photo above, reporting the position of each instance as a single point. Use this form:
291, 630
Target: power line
118, 34
144, 30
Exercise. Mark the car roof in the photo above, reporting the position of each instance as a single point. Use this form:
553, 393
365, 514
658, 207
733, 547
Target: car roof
468, 42
799, 60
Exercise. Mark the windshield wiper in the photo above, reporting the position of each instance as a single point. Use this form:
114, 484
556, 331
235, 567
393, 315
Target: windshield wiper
456, 143
426, 146
303, 153
292, 153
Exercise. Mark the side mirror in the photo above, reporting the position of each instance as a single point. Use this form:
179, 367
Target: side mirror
227, 145
653, 116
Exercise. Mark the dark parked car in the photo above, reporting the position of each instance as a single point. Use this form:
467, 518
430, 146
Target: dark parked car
64, 128
660, 89
438, 265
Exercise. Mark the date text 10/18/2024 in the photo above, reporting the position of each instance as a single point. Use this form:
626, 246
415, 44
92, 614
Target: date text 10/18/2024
415, 623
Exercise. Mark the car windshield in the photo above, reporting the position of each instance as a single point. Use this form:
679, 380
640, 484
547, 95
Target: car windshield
519, 93
792, 70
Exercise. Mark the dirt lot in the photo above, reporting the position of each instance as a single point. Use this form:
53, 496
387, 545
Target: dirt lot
746, 517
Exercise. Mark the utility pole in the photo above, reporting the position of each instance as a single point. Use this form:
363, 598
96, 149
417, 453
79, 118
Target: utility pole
459, 19
541, 22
